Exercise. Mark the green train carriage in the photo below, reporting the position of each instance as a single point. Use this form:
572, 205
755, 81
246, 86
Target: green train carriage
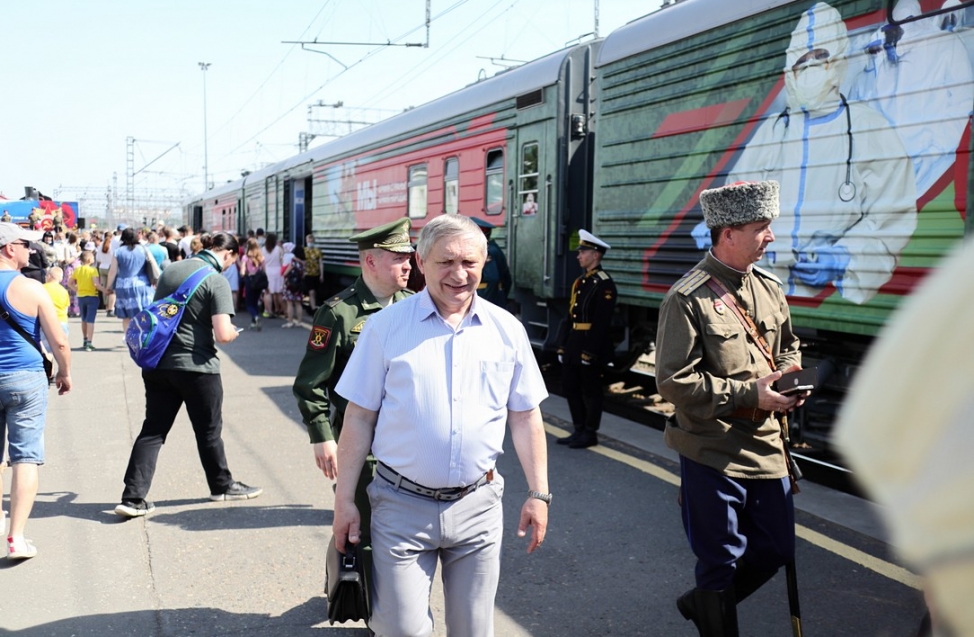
698, 94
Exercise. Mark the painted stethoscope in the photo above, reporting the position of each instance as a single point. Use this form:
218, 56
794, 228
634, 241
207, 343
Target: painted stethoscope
847, 189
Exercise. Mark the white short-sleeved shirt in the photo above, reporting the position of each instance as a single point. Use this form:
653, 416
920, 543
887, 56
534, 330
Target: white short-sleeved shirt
442, 395
103, 260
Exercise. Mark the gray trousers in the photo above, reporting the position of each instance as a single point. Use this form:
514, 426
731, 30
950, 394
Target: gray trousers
409, 534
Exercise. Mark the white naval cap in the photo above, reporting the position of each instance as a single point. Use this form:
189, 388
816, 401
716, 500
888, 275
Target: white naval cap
588, 241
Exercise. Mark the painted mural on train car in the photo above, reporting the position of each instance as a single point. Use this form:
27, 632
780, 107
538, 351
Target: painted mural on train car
379, 186
865, 125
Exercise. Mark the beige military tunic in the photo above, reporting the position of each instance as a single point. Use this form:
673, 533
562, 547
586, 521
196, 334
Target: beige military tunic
708, 367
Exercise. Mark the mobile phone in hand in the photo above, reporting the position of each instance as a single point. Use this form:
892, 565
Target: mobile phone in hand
800, 381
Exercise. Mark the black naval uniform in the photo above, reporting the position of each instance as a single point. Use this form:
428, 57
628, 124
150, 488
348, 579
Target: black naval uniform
586, 349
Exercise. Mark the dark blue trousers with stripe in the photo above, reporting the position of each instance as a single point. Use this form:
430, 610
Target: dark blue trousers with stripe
729, 519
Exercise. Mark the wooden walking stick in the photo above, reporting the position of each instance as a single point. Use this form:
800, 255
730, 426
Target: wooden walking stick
793, 607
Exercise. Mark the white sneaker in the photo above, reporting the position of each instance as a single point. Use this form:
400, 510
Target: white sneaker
133, 509
20, 550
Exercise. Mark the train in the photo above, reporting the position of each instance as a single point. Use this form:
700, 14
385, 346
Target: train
860, 109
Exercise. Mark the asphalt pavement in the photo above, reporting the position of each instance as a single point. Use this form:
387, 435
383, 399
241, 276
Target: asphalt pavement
613, 563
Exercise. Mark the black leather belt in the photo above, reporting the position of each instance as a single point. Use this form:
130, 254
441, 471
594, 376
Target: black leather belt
448, 494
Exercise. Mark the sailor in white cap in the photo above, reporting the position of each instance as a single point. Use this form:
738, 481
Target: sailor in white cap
586, 346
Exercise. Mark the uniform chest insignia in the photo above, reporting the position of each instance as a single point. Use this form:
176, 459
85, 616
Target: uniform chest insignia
358, 327
719, 306
489, 259
319, 337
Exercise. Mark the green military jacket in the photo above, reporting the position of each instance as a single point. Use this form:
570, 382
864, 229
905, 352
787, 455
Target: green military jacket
708, 368
337, 325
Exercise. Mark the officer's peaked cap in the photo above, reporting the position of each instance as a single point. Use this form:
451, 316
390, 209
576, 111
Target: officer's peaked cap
483, 223
393, 236
588, 241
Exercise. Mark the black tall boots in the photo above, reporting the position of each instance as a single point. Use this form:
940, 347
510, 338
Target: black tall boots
713, 612
746, 581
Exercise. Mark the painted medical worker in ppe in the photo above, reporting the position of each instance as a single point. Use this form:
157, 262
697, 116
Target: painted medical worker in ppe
848, 200
920, 78
955, 20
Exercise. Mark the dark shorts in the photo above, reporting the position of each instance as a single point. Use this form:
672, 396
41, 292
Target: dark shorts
89, 308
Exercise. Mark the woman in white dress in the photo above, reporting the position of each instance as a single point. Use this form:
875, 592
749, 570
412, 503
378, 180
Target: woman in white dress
273, 267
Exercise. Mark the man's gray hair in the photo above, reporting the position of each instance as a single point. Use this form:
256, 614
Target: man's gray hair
449, 226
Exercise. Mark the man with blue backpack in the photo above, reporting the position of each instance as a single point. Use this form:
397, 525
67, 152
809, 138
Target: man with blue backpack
187, 372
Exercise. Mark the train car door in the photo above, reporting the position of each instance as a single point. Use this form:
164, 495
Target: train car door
530, 210
300, 193
196, 223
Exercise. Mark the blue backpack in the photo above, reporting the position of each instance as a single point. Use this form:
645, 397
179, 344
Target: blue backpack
151, 330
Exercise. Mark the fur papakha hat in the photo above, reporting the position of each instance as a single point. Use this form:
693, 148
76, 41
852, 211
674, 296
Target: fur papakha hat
740, 203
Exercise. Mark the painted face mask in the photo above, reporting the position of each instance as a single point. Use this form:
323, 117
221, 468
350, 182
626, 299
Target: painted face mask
812, 88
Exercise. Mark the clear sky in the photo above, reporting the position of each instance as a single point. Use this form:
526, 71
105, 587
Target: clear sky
80, 77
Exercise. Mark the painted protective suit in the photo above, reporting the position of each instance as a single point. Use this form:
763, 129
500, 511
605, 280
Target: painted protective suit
819, 238
923, 86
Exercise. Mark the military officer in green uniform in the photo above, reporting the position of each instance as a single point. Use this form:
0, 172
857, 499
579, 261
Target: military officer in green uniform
586, 342
384, 255
725, 336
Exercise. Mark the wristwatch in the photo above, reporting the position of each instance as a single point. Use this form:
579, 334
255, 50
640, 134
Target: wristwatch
544, 497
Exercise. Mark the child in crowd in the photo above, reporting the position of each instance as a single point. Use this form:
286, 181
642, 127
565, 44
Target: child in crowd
61, 300
85, 283
103, 261
293, 284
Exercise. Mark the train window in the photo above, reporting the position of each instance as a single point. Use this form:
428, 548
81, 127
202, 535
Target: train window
417, 191
451, 185
528, 179
495, 181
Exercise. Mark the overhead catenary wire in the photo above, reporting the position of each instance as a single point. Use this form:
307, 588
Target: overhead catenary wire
331, 79
423, 67
271, 74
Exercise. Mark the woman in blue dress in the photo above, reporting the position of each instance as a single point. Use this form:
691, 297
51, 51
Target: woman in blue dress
128, 277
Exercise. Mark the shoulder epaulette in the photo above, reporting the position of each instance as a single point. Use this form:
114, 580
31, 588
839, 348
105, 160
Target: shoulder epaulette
341, 296
766, 274
604, 275
691, 281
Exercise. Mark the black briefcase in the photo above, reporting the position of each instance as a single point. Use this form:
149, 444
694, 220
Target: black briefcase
346, 584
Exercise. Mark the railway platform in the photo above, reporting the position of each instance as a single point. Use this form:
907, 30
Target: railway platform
613, 563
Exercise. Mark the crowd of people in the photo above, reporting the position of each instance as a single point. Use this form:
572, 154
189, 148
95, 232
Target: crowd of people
109, 271
78, 274
386, 369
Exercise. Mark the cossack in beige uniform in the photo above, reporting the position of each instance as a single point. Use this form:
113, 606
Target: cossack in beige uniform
736, 495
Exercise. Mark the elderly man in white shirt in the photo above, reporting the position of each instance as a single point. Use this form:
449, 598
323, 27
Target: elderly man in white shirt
431, 385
